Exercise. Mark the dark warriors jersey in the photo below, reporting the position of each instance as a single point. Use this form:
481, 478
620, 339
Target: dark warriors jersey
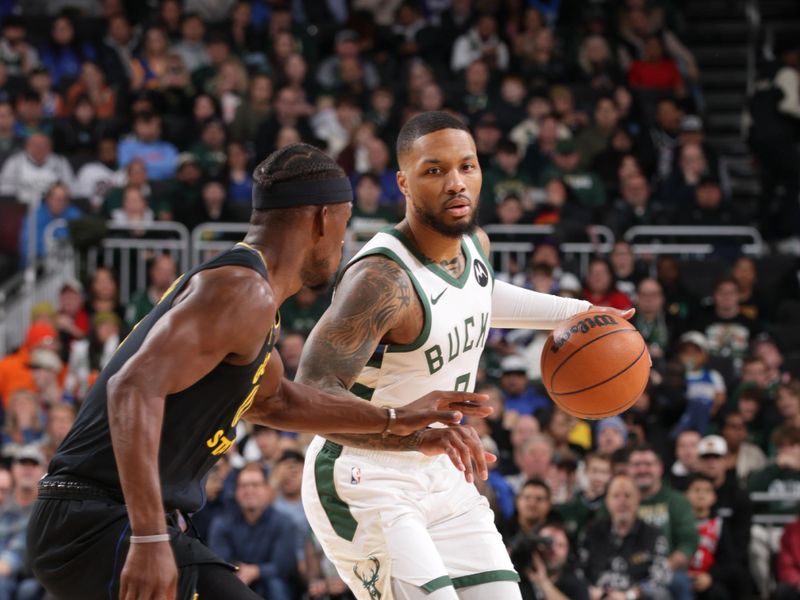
199, 422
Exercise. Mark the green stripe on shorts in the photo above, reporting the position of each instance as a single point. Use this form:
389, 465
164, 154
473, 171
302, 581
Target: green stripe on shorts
485, 577
437, 584
335, 508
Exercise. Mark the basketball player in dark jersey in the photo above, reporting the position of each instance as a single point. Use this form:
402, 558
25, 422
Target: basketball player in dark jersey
108, 522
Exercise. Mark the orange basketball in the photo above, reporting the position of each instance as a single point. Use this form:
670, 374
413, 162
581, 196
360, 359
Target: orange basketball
595, 365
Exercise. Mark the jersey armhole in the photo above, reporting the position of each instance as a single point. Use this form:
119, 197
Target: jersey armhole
426, 326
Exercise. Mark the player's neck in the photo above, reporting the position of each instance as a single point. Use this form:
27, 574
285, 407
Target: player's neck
432, 244
284, 262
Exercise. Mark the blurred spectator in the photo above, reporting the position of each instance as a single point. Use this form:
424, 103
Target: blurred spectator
254, 536
23, 415
657, 145
26, 470
523, 34
97, 177
215, 505
705, 388
159, 157
566, 109
788, 402
15, 372
545, 66
743, 456
475, 97
191, 47
687, 459
627, 272
584, 505
287, 479
533, 457
367, 210
634, 207
41, 83
60, 417
149, 66
209, 151
18, 56
547, 573
487, 136
287, 113
205, 78
528, 131
9, 143
64, 53
510, 107
92, 85
73, 319
502, 178
788, 569
611, 435
481, 42
621, 553
239, 178
31, 117
597, 69
104, 293
533, 508
586, 185
28, 174
713, 567
668, 511
135, 175
162, 272
335, 123
561, 208
254, 109
77, 135
518, 394
751, 303
595, 138
655, 71
302, 311
89, 356
678, 190
709, 207
600, 286
346, 46
651, 319
728, 331
56, 205
115, 54
732, 503
781, 479
46, 368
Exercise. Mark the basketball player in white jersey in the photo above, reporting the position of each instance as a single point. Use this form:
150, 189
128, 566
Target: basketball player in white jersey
411, 314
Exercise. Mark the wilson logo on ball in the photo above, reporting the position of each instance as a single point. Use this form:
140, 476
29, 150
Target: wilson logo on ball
582, 327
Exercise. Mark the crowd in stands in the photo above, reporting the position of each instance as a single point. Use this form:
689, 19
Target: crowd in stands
583, 112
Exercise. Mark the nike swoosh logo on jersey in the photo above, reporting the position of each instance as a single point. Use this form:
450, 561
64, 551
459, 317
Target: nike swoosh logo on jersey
435, 300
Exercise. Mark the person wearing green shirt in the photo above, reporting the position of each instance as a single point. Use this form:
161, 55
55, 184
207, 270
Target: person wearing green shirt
163, 271
502, 178
668, 510
578, 511
587, 187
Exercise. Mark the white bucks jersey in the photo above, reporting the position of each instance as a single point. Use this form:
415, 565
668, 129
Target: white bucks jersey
445, 356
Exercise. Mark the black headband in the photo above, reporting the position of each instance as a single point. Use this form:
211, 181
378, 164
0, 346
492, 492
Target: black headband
303, 193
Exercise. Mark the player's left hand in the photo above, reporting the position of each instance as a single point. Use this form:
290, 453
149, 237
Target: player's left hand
462, 444
626, 314
248, 573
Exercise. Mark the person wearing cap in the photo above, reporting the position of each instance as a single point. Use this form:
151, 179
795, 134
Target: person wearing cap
705, 389
15, 372
732, 503
611, 434
46, 367
166, 406
586, 185
518, 393
257, 537
714, 569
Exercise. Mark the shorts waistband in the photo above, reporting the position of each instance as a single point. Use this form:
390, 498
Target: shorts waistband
386, 457
72, 489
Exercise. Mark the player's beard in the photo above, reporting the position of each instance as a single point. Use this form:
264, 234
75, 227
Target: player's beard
456, 230
317, 276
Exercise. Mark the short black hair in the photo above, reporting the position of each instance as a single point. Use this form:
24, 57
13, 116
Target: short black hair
423, 124
699, 477
537, 482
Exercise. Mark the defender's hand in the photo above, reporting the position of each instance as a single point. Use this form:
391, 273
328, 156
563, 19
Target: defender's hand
149, 572
440, 407
462, 445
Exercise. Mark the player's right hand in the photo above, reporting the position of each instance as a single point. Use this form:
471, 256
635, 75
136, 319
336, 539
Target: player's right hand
149, 573
440, 407
462, 444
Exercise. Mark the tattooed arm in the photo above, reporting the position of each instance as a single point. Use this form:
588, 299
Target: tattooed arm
374, 302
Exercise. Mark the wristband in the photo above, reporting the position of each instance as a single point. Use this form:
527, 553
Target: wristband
391, 419
149, 539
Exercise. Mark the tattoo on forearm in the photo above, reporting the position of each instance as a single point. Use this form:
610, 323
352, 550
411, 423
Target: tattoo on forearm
375, 441
343, 341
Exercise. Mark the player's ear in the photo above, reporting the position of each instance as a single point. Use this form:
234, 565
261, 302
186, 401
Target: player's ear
402, 182
322, 221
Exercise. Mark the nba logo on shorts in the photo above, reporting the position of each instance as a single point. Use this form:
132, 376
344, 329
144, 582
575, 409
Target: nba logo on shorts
355, 475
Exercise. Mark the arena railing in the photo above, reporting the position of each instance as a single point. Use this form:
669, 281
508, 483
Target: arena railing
683, 239
770, 519
601, 241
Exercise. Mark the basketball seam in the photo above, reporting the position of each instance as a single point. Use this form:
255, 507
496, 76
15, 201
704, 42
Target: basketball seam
602, 415
589, 343
599, 383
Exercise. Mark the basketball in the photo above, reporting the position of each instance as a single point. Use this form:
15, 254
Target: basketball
595, 365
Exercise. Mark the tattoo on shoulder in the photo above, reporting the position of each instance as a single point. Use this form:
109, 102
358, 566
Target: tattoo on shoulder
377, 293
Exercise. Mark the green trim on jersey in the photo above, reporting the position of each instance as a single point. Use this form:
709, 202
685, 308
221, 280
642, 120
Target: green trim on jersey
469, 580
437, 584
335, 508
432, 266
485, 577
426, 329
362, 391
